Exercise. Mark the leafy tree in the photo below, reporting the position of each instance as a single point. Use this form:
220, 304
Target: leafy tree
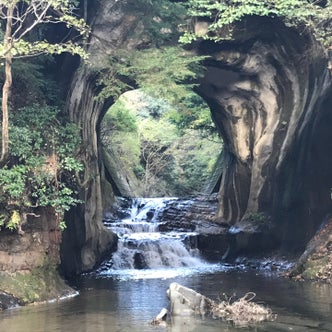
33, 82
166, 157
196, 156
221, 15
160, 19
23, 37
43, 166
193, 114
119, 118
168, 73
119, 134
157, 139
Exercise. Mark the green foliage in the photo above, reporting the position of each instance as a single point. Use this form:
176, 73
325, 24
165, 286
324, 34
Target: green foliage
120, 118
119, 135
166, 160
193, 114
30, 17
221, 15
43, 164
32, 83
14, 220
166, 73
196, 156
257, 218
163, 71
158, 137
160, 19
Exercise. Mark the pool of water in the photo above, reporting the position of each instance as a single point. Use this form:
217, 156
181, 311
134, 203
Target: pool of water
127, 301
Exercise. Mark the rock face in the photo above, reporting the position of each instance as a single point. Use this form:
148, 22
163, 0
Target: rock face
316, 261
28, 270
198, 215
86, 240
41, 236
269, 92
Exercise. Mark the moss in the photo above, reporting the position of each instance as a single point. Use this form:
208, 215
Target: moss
41, 284
314, 269
257, 218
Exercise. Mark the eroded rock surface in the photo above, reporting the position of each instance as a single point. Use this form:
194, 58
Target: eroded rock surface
86, 240
29, 262
269, 92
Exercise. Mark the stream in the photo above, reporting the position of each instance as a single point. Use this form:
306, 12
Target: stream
126, 292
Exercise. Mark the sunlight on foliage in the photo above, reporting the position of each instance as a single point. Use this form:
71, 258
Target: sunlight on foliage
168, 72
168, 156
304, 15
43, 166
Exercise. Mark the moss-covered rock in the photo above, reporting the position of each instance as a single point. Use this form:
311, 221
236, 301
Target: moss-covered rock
316, 262
41, 284
29, 260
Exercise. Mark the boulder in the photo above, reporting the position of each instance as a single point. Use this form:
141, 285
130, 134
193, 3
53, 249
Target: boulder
186, 302
316, 261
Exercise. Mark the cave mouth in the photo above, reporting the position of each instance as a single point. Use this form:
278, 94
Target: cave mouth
151, 148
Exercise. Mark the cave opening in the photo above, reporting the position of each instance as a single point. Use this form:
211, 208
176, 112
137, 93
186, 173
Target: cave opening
152, 148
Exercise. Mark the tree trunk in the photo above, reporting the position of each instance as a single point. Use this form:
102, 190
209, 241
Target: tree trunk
85, 10
7, 85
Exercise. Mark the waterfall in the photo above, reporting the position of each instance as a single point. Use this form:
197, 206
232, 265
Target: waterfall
142, 245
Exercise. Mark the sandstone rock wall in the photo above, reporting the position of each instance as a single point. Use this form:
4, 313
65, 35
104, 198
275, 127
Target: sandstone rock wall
268, 91
86, 240
29, 261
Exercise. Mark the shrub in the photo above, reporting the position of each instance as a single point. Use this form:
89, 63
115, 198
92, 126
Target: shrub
43, 165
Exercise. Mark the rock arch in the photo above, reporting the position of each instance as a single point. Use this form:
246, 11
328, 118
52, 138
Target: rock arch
269, 95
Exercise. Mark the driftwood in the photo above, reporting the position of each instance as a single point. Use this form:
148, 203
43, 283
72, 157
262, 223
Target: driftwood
243, 311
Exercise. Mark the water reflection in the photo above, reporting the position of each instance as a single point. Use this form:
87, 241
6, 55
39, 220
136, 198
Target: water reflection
108, 304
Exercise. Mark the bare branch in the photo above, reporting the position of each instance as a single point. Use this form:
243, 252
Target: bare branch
38, 20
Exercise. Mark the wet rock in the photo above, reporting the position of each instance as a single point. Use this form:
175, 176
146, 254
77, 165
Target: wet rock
29, 262
150, 215
186, 302
251, 238
8, 301
118, 210
196, 214
213, 247
139, 261
160, 319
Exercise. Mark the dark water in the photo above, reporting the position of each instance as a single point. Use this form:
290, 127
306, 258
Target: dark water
128, 303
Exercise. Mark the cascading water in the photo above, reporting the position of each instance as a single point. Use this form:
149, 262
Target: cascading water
143, 247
